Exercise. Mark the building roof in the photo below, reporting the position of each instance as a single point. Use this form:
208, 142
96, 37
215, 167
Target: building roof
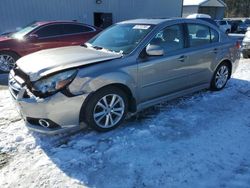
207, 3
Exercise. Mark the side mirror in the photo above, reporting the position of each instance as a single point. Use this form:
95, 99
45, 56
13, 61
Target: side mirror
154, 50
33, 36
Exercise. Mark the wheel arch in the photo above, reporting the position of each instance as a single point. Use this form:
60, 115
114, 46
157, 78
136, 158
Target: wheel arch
10, 51
228, 62
132, 105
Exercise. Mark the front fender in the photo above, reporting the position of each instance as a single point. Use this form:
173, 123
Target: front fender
92, 84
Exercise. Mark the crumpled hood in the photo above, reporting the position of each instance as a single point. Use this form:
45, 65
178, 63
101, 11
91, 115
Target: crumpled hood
45, 62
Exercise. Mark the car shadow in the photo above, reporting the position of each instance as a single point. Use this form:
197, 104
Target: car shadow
150, 140
3, 79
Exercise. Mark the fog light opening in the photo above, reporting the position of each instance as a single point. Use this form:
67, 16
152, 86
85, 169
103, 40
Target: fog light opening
44, 123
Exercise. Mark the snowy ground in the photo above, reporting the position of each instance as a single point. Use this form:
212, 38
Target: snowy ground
202, 140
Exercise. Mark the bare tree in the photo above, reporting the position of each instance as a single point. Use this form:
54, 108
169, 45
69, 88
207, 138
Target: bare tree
238, 8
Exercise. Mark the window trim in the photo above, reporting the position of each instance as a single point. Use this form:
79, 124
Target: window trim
181, 25
92, 28
203, 25
210, 29
54, 36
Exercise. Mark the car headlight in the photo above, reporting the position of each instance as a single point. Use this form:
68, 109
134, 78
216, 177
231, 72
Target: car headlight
54, 83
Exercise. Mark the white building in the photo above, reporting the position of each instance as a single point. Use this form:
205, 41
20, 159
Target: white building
215, 8
17, 13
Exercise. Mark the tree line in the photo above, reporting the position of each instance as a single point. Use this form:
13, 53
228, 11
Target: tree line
237, 8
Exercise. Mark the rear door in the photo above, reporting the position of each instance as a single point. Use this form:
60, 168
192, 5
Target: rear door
162, 75
76, 34
202, 52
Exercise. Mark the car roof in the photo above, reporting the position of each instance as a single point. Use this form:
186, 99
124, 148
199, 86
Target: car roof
158, 21
150, 21
56, 21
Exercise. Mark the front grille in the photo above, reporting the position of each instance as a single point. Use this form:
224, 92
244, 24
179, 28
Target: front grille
16, 84
21, 74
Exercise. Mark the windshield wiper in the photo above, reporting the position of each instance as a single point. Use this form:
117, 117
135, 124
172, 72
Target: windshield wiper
86, 45
98, 48
102, 48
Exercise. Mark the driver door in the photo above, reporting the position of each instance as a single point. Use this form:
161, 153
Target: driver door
168, 73
48, 36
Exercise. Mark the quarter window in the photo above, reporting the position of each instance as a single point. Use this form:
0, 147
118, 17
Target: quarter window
170, 39
214, 36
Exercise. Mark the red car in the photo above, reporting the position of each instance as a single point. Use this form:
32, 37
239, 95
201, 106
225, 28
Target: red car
42, 35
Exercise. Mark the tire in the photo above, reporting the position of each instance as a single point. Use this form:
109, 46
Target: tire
220, 77
98, 116
7, 61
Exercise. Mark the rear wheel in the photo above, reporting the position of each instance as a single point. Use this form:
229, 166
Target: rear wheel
7, 61
106, 109
220, 78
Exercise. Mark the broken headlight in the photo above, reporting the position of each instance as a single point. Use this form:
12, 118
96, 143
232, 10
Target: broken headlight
55, 83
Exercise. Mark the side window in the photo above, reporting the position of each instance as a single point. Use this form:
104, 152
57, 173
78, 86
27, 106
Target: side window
75, 28
87, 29
214, 35
198, 35
170, 39
50, 31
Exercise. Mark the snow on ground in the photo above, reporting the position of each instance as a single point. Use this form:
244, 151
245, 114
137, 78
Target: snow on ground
202, 140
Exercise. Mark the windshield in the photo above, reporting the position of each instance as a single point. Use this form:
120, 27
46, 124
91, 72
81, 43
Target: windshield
122, 38
20, 34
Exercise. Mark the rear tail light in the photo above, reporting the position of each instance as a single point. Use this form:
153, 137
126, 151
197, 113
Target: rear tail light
238, 44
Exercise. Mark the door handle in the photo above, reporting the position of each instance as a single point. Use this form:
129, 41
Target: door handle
182, 58
215, 50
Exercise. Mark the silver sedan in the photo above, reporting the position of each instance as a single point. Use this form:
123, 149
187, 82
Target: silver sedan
128, 67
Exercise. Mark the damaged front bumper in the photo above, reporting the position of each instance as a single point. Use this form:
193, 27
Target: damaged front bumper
52, 115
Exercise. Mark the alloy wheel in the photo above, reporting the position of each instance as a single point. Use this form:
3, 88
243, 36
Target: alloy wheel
7, 62
221, 77
109, 110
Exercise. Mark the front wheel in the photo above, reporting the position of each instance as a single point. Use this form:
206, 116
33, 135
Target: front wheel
220, 78
106, 109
